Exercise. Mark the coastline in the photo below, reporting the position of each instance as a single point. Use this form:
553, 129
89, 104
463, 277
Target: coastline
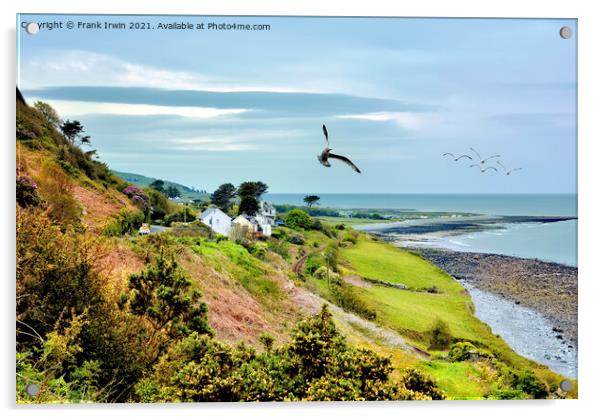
548, 288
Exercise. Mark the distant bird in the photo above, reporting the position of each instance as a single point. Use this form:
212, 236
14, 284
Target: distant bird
457, 158
326, 154
483, 169
481, 160
509, 171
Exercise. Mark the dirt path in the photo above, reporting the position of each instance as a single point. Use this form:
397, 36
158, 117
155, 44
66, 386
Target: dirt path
299, 264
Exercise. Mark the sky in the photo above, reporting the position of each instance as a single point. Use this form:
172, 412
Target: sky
206, 107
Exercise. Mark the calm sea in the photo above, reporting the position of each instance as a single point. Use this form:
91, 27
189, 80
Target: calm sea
555, 242
490, 204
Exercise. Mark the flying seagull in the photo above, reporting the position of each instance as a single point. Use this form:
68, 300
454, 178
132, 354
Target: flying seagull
326, 154
509, 171
483, 169
457, 158
482, 161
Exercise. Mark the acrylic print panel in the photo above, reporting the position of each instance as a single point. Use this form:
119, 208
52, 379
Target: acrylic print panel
215, 208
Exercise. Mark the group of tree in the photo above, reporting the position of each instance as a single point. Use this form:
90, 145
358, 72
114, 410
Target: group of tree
170, 191
249, 194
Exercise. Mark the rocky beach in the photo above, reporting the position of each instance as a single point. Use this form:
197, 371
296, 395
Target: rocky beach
547, 288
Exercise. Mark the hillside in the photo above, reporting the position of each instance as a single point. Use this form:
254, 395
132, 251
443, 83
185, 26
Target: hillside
314, 312
143, 181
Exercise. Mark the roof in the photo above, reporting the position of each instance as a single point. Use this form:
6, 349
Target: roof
247, 218
210, 211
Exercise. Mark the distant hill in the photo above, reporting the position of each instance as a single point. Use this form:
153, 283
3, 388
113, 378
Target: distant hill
143, 181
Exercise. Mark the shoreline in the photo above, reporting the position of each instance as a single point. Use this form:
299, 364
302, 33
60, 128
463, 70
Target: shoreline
548, 288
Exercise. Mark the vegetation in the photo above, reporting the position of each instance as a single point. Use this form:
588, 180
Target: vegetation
317, 365
105, 315
298, 219
311, 200
222, 197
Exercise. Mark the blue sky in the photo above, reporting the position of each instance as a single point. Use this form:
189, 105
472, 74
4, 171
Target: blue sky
207, 107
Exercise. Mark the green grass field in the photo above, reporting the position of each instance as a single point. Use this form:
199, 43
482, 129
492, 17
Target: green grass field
413, 313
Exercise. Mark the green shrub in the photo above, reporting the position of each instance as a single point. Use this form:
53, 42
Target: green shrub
183, 214
54, 270
331, 255
298, 219
124, 222
279, 247
345, 297
311, 265
317, 364
417, 381
440, 336
507, 394
259, 250
278, 233
296, 239
162, 295
27, 191
350, 237
527, 382
464, 350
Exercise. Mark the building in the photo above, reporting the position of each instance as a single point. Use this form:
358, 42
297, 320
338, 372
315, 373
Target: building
268, 213
247, 222
217, 220
181, 200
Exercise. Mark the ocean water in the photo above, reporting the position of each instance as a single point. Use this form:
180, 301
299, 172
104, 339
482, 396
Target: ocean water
489, 204
555, 241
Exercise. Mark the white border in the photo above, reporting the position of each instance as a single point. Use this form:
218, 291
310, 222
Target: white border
590, 116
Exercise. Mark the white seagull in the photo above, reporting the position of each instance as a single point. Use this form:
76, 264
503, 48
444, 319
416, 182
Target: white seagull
326, 154
457, 158
483, 169
481, 159
509, 171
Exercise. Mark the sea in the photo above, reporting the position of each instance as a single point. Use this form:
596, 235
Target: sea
555, 241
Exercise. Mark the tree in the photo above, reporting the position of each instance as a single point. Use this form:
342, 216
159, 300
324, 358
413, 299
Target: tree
162, 294
173, 191
248, 192
159, 204
311, 200
73, 130
248, 205
298, 219
223, 195
48, 113
260, 189
158, 185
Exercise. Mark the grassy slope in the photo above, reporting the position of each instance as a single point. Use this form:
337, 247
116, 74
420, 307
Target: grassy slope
413, 313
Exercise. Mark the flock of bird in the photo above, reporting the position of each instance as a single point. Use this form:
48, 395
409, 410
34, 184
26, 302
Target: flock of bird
327, 154
482, 161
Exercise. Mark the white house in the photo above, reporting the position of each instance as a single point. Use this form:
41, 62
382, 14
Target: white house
246, 222
267, 212
217, 220
265, 224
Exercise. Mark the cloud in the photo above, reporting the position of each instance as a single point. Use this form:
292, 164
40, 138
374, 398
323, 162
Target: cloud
267, 104
407, 120
84, 68
68, 108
